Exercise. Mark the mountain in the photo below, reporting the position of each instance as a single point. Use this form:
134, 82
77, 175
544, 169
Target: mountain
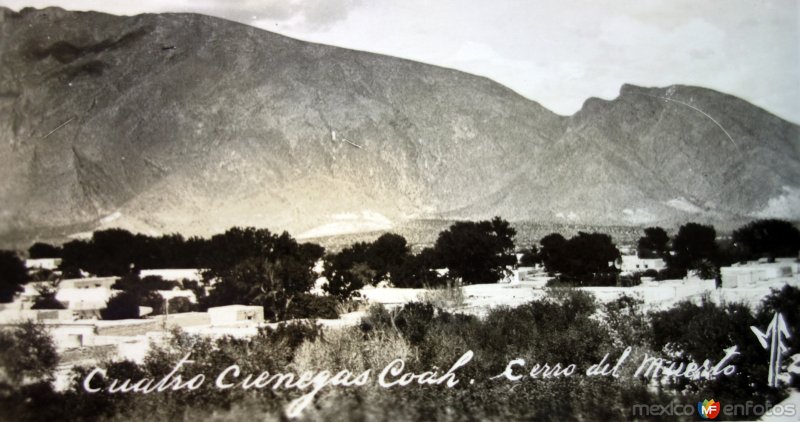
189, 123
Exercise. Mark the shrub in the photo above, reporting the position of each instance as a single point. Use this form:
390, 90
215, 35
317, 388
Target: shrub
671, 273
697, 332
125, 305
47, 302
47, 297
44, 275
181, 304
450, 296
787, 302
153, 300
630, 280
313, 306
413, 321
628, 321
292, 334
27, 354
651, 272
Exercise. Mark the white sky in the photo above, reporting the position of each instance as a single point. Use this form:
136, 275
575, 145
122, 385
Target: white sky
556, 52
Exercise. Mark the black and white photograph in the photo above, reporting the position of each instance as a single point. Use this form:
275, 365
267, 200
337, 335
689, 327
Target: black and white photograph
354, 210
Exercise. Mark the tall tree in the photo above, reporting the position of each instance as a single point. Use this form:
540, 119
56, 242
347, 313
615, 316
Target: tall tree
386, 254
44, 250
477, 252
12, 275
278, 271
767, 238
347, 271
583, 259
553, 252
124, 305
654, 243
418, 271
693, 244
27, 354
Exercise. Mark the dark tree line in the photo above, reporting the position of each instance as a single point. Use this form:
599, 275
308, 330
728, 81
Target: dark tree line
584, 259
767, 239
257, 266
241, 266
117, 252
696, 247
472, 252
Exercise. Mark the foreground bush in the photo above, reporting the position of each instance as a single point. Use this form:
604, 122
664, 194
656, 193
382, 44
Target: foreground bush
566, 326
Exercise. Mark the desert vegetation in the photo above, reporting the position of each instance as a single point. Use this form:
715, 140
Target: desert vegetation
566, 327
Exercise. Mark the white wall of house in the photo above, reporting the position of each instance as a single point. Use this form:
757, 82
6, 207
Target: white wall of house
42, 263
84, 298
634, 264
174, 274
235, 314
88, 283
739, 275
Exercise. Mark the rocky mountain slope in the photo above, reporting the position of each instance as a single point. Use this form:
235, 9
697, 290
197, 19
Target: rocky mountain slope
192, 124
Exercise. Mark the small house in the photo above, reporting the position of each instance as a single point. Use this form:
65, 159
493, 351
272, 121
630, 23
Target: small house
739, 275
42, 264
235, 314
634, 264
88, 283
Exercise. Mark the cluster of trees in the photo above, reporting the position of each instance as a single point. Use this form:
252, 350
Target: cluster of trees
767, 239
472, 252
242, 266
585, 259
138, 292
696, 247
255, 266
654, 243
117, 251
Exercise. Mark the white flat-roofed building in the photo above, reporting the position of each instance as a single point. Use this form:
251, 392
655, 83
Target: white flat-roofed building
174, 274
84, 298
634, 264
739, 275
42, 263
88, 283
235, 314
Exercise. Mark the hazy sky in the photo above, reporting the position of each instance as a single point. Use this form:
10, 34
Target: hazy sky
557, 52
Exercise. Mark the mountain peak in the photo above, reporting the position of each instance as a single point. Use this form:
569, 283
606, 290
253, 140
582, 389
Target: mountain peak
175, 123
